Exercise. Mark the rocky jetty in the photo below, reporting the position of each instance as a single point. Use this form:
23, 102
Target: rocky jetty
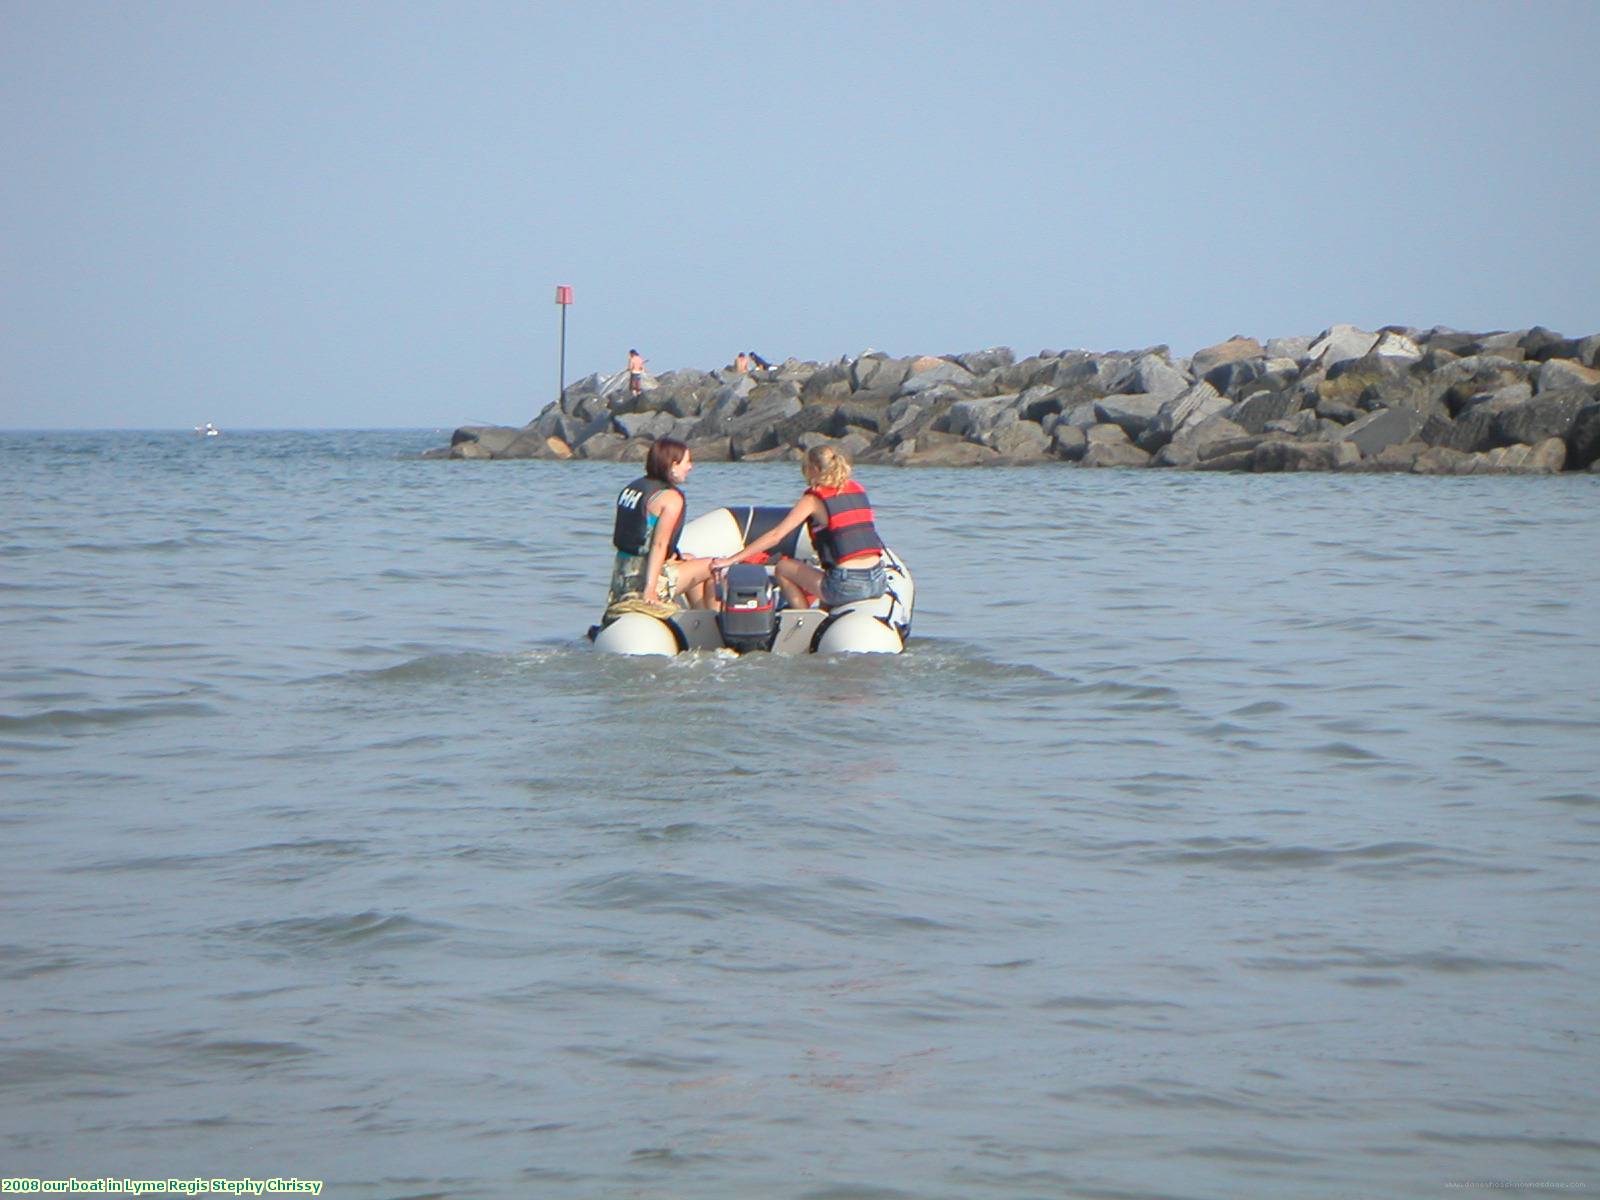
1434, 401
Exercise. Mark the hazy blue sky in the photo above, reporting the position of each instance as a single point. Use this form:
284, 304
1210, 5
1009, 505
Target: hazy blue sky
355, 214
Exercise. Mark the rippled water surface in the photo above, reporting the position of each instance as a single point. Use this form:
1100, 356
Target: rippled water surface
1216, 836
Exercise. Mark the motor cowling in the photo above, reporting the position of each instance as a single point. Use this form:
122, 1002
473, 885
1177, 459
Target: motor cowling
749, 616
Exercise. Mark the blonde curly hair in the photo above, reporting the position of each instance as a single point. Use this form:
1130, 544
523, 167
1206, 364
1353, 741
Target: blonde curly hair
825, 466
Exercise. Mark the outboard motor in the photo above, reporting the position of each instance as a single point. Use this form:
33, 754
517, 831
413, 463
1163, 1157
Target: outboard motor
749, 616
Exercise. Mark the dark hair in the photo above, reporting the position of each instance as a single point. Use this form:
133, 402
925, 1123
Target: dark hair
665, 454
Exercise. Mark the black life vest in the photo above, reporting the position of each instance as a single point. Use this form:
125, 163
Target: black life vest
849, 532
631, 533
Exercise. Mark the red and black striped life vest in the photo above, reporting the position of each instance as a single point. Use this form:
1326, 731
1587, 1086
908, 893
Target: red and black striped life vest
849, 532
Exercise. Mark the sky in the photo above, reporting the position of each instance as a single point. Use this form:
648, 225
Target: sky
355, 215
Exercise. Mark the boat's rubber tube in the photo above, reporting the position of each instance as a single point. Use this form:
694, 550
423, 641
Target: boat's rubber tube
725, 531
636, 633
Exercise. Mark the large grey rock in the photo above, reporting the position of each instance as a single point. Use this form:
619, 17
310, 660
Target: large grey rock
863, 412
877, 373
605, 447
1302, 456
1114, 454
1234, 349
1080, 413
1090, 376
1397, 345
1106, 435
1203, 435
646, 424
1583, 440
1547, 415
1441, 460
977, 418
1194, 405
1558, 374
1132, 413
1297, 348
812, 418
1502, 398
1387, 427
1459, 381
1232, 378
924, 373
1028, 373
1038, 402
1154, 376
1540, 343
1402, 456
981, 362
1021, 441
493, 438
1253, 412
1545, 458
1340, 343
831, 382
1376, 381
1305, 426
944, 454
712, 449
1069, 441
1473, 431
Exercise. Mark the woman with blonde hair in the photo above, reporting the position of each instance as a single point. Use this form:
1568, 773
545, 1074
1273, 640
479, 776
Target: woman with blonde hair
842, 530
649, 567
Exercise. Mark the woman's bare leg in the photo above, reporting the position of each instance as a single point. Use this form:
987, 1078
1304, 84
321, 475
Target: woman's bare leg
796, 577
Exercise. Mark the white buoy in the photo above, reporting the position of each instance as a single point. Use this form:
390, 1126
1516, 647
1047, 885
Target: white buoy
859, 633
636, 633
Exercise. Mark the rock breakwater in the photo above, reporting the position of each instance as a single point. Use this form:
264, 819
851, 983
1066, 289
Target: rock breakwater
1437, 401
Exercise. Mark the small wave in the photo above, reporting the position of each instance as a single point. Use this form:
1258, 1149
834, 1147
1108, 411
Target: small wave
1163, 1097
1103, 1003
232, 1052
1440, 962
1573, 799
336, 933
1255, 854
68, 721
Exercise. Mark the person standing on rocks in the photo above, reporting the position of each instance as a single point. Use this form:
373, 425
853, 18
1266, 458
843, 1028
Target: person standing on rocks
842, 530
649, 571
635, 372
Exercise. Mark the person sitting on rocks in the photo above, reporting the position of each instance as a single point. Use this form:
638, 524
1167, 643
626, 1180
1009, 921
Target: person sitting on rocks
741, 363
842, 530
649, 572
757, 361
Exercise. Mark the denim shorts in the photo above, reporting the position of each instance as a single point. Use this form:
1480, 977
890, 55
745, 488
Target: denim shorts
843, 585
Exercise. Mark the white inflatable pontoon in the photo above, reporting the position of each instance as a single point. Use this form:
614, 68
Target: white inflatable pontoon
751, 618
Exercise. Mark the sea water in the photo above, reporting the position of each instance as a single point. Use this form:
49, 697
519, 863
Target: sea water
1216, 836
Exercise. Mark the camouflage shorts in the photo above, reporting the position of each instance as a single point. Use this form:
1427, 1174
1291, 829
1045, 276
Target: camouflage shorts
627, 578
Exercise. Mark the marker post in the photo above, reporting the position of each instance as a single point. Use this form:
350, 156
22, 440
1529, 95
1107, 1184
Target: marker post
564, 300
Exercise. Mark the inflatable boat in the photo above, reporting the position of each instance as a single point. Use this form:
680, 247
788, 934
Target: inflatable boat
752, 617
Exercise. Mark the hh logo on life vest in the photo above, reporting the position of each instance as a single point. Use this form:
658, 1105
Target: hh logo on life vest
630, 498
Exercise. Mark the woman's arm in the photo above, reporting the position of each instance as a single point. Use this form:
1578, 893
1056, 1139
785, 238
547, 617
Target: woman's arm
667, 506
804, 508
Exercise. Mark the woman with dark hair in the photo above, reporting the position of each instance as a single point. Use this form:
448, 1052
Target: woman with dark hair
649, 515
842, 530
